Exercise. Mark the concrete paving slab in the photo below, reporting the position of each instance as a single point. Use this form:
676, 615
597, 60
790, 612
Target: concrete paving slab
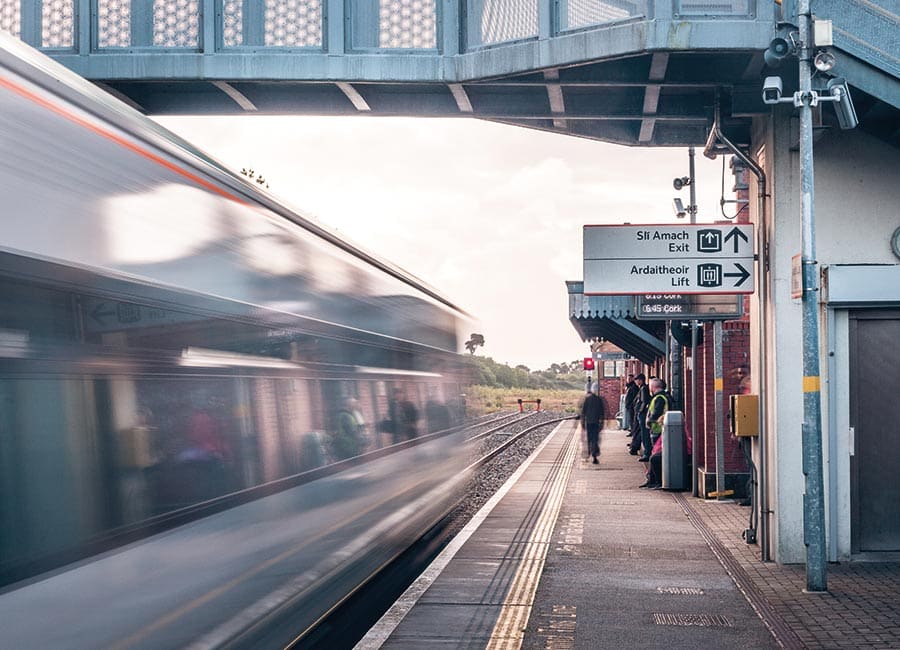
430, 622
632, 571
631, 568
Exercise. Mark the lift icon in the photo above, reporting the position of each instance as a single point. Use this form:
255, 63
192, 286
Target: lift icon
709, 275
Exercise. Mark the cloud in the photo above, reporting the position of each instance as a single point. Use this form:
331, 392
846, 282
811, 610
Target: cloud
490, 215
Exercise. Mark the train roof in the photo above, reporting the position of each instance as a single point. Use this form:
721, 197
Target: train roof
59, 80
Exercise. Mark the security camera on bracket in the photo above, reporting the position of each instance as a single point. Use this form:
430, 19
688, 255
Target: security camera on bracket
839, 93
836, 91
771, 93
681, 182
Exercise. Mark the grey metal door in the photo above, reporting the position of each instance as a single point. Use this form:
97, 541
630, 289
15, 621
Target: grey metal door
875, 417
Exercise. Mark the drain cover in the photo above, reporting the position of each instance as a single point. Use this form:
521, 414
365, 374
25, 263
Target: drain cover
680, 591
700, 620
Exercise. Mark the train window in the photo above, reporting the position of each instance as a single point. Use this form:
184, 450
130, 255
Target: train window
45, 315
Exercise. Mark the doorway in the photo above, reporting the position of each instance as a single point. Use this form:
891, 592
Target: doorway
875, 418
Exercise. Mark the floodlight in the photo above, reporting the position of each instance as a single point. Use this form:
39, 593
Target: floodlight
824, 61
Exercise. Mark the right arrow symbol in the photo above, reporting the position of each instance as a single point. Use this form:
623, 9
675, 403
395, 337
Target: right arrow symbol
743, 275
736, 234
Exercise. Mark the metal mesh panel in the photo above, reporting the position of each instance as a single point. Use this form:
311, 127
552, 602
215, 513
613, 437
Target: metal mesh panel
11, 17
293, 23
713, 8
176, 23
58, 23
395, 24
407, 24
496, 21
581, 13
232, 23
113, 23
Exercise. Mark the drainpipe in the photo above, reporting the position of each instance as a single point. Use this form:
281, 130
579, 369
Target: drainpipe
715, 134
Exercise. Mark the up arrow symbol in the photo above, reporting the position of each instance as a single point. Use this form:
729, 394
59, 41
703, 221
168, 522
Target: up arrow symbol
736, 234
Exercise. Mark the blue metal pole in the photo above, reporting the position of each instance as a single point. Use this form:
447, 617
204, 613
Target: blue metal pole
695, 439
719, 386
813, 498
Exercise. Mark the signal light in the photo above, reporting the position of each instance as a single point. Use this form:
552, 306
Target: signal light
588, 363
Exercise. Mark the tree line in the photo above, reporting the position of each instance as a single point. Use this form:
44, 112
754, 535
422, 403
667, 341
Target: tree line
559, 376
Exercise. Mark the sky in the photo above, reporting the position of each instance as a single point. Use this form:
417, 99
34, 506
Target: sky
490, 215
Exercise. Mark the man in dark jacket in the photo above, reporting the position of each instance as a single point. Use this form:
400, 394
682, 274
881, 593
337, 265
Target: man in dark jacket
640, 404
592, 416
404, 417
631, 391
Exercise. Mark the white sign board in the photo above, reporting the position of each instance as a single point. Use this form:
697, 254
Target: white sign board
696, 258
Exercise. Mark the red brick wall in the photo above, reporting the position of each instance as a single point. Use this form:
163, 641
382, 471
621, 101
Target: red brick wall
735, 375
609, 393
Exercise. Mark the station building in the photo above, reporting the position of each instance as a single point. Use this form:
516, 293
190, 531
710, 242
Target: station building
857, 240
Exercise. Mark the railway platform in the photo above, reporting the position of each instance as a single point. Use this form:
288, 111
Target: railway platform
574, 555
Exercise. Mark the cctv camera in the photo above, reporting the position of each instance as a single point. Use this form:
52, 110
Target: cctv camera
771, 90
843, 104
678, 206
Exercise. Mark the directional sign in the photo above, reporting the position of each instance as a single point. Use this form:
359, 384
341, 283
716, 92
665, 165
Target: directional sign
686, 259
611, 356
111, 316
679, 306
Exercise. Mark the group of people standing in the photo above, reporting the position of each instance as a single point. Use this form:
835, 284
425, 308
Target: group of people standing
646, 403
352, 438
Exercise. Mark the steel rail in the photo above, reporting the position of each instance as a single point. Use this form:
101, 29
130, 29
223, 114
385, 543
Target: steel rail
503, 447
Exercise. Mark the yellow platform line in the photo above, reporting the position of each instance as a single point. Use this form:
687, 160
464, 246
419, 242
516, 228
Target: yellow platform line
509, 630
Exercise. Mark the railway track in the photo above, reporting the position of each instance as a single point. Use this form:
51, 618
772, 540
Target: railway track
505, 441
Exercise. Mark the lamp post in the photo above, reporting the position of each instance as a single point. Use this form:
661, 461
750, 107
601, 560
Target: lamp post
677, 350
813, 498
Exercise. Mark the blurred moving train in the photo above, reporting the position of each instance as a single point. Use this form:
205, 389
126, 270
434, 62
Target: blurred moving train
178, 348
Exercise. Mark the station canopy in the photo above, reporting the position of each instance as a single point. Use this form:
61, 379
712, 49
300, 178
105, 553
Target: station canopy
614, 318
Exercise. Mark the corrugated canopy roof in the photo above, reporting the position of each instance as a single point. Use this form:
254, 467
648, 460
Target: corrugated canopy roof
613, 318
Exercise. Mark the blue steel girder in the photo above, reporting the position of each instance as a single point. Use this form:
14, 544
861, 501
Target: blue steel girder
642, 72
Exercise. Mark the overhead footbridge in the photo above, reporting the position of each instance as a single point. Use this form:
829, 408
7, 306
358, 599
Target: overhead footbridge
635, 72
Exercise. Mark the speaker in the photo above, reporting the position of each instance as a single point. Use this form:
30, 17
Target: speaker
779, 49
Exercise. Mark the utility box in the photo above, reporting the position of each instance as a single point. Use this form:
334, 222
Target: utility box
745, 415
673, 451
623, 416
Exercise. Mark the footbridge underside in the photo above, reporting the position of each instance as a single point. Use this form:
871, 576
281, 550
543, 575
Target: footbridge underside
636, 72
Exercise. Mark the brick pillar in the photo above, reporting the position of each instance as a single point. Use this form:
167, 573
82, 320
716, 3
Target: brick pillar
736, 373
